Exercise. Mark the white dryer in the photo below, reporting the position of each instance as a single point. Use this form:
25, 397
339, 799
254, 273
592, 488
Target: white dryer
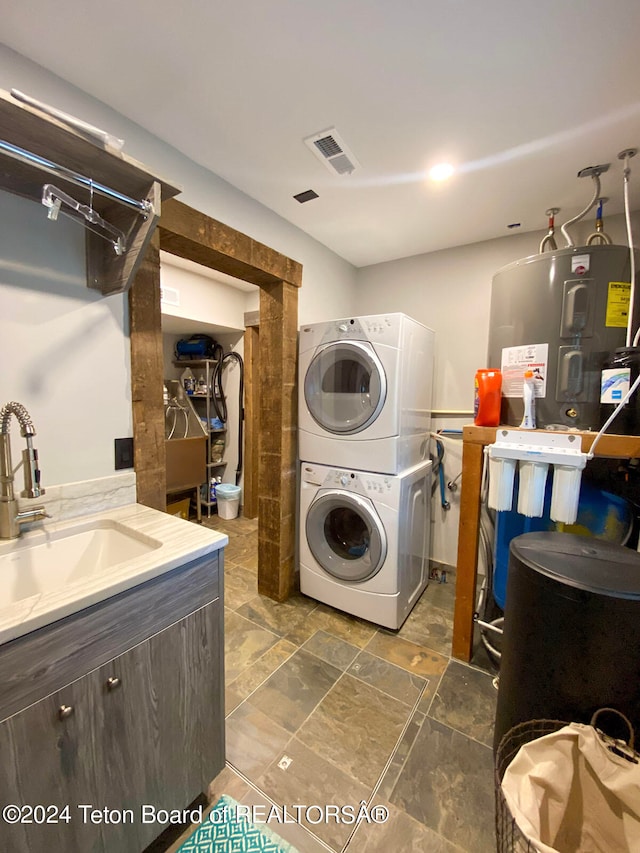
364, 539
365, 392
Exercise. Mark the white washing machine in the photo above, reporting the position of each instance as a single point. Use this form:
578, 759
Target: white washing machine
364, 539
365, 392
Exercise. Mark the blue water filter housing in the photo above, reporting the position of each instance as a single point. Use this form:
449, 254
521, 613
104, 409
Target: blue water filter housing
600, 514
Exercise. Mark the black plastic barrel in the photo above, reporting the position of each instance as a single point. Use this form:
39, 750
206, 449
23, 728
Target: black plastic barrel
571, 639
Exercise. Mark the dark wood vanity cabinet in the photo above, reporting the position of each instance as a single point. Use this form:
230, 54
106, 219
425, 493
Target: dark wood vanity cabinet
48, 762
142, 727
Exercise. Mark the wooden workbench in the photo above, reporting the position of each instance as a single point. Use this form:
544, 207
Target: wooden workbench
475, 440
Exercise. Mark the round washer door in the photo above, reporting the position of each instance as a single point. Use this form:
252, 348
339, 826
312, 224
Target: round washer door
345, 386
345, 535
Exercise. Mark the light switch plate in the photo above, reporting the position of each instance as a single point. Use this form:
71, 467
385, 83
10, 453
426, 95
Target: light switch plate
123, 453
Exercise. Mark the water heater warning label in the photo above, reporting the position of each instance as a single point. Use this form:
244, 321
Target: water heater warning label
580, 264
515, 360
618, 299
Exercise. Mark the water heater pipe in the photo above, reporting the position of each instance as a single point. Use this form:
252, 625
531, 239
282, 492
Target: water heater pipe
626, 156
596, 179
599, 237
549, 239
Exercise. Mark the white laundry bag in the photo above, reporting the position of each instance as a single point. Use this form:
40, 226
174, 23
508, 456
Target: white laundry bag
569, 792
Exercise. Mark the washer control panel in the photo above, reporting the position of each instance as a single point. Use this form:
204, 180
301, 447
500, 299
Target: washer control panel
337, 478
357, 481
379, 485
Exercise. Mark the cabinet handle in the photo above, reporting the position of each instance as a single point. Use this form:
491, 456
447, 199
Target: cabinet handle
65, 711
113, 683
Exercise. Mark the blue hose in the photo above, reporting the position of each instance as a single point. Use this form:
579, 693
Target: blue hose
444, 503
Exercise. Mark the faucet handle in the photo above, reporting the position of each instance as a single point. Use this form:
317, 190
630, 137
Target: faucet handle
35, 514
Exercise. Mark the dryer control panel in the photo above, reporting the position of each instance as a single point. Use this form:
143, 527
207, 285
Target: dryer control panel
377, 325
376, 328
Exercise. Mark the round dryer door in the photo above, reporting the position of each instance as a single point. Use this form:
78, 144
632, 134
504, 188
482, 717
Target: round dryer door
346, 536
345, 386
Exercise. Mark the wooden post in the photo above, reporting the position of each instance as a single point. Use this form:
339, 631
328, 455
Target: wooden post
278, 440
251, 420
147, 371
468, 537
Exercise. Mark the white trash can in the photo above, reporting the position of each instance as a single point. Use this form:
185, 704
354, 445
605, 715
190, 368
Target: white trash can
228, 498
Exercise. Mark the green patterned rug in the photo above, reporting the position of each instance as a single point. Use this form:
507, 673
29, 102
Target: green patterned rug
228, 830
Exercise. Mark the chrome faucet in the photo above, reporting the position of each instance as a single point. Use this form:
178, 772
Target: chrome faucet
10, 516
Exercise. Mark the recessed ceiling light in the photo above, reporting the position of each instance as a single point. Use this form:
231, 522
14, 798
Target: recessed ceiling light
441, 172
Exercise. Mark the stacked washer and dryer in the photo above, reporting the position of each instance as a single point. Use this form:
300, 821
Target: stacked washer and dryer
365, 485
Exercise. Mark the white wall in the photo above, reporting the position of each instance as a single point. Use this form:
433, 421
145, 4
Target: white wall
64, 349
450, 291
203, 298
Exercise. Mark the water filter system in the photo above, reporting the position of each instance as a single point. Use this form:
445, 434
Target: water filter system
531, 456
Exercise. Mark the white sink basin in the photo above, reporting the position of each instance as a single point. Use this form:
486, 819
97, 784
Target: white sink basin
63, 567
52, 561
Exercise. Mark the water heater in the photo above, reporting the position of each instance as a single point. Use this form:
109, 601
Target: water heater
560, 314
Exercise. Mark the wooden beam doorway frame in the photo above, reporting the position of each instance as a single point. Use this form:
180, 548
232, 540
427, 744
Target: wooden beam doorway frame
251, 419
190, 234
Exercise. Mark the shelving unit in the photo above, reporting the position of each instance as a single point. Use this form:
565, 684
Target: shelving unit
203, 403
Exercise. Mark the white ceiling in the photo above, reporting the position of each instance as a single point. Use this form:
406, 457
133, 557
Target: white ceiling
518, 96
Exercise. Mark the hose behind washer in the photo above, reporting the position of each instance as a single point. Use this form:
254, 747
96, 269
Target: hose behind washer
220, 402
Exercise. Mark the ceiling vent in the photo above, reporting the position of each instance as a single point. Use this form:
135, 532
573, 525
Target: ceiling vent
169, 295
331, 150
307, 195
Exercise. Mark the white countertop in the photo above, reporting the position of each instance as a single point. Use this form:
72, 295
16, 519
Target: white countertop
38, 587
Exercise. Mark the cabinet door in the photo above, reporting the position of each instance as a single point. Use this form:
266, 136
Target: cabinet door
46, 759
144, 729
162, 727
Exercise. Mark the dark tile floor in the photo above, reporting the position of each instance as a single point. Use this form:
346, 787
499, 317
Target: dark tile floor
324, 708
